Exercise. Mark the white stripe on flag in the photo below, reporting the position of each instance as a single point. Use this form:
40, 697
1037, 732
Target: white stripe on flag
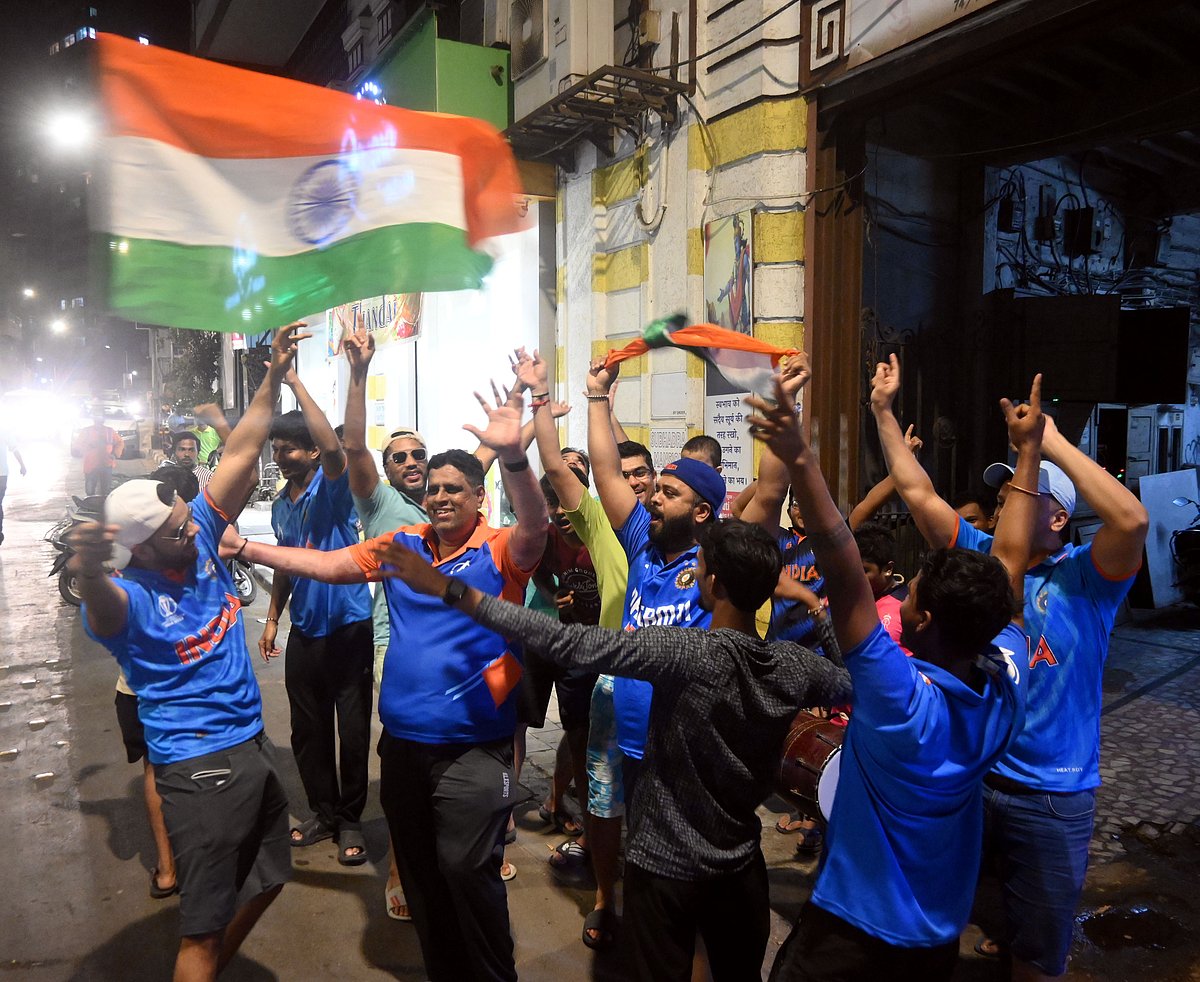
749, 371
276, 206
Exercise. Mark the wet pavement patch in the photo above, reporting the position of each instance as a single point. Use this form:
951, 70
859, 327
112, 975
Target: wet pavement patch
1130, 926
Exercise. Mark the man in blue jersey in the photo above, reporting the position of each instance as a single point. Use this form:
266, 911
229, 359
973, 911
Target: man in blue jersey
448, 700
330, 653
660, 541
1041, 795
895, 887
171, 620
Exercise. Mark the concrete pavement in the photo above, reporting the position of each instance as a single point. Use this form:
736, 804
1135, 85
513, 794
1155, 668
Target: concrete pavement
78, 853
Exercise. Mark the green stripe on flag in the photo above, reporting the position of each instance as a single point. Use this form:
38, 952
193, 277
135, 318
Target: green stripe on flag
213, 288
657, 334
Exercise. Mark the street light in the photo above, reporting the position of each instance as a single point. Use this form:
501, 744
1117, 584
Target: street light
58, 326
29, 292
69, 129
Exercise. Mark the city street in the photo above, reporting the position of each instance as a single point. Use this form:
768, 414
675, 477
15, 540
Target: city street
78, 850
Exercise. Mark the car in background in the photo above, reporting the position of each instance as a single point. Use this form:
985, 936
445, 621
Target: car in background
134, 431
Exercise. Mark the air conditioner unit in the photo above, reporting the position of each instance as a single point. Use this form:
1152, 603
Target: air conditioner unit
554, 43
484, 22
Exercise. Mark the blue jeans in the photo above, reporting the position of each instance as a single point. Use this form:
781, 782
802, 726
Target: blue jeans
1041, 844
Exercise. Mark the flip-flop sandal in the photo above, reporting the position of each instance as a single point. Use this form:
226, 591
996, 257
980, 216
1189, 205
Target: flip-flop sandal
810, 842
397, 908
564, 823
604, 922
161, 893
507, 871
570, 855
311, 832
986, 947
351, 839
789, 826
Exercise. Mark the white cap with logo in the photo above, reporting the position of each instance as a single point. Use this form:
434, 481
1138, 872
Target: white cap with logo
138, 509
1051, 480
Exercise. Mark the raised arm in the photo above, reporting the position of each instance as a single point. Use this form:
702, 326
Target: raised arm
1117, 547
937, 521
360, 349
233, 481
503, 437
618, 431
514, 399
1014, 530
534, 373
763, 508
616, 496
850, 599
333, 459
20, 461
210, 413
105, 604
878, 496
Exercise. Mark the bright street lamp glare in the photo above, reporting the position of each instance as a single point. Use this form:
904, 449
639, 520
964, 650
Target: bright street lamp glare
29, 291
58, 326
70, 129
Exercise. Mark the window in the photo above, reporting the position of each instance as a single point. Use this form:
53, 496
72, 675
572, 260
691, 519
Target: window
92, 33
385, 23
354, 57
68, 40
55, 48
91, 11
81, 34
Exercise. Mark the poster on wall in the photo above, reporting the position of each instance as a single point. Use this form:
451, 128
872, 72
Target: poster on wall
725, 421
728, 272
665, 444
391, 317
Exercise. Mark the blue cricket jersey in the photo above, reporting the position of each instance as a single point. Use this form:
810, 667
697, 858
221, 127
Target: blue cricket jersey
906, 831
660, 593
790, 621
321, 518
183, 651
1070, 606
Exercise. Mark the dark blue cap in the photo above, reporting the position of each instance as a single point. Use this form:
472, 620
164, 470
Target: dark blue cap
701, 478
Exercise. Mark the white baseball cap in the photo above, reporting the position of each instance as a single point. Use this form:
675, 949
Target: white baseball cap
138, 508
1051, 481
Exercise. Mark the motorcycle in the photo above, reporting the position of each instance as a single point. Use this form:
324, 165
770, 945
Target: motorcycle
89, 509
1185, 550
244, 578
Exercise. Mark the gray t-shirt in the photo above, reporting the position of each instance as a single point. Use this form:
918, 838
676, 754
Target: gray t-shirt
386, 510
723, 704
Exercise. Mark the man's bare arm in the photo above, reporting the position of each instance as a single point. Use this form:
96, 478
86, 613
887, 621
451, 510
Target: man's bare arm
337, 566
937, 521
105, 604
773, 479
534, 373
360, 349
333, 459
233, 481
616, 496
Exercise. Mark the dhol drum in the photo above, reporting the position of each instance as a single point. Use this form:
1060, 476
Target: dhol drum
812, 757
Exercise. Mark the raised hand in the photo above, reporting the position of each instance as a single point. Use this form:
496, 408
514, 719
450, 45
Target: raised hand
778, 425
1026, 424
885, 384
399, 562
503, 432
92, 544
600, 379
284, 346
531, 372
912, 441
359, 346
558, 409
795, 373
516, 360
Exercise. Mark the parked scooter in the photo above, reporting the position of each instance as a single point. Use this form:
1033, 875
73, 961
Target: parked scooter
89, 509
1185, 550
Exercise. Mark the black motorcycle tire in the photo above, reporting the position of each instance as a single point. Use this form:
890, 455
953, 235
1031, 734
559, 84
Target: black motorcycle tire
243, 579
68, 587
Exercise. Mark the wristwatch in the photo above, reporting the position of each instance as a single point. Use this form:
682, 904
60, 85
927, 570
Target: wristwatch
455, 591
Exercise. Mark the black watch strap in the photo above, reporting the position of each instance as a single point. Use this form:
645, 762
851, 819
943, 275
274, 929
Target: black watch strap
454, 592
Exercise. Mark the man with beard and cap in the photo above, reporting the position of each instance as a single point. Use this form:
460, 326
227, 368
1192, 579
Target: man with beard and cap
660, 542
171, 621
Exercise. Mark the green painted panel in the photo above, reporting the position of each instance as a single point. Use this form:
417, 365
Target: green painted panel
473, 81
408, 73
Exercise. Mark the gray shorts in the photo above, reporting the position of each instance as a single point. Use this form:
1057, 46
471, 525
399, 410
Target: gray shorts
227, 818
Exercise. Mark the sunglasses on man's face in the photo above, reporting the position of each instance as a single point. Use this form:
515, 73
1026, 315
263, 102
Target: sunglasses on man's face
400, 456
181, 532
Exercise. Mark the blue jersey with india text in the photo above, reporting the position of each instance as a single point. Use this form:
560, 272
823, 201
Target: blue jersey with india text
906, 831
447, 679
1070, 606
659, 593
183, 651
322, 517
790, 620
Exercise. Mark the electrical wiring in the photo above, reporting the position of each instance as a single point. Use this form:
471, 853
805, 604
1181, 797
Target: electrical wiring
724, 44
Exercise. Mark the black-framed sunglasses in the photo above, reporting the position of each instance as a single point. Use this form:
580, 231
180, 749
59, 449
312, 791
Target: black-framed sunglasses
400, 456
181, 532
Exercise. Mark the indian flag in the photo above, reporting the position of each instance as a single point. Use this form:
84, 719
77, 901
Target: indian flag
746, 363
235, 201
